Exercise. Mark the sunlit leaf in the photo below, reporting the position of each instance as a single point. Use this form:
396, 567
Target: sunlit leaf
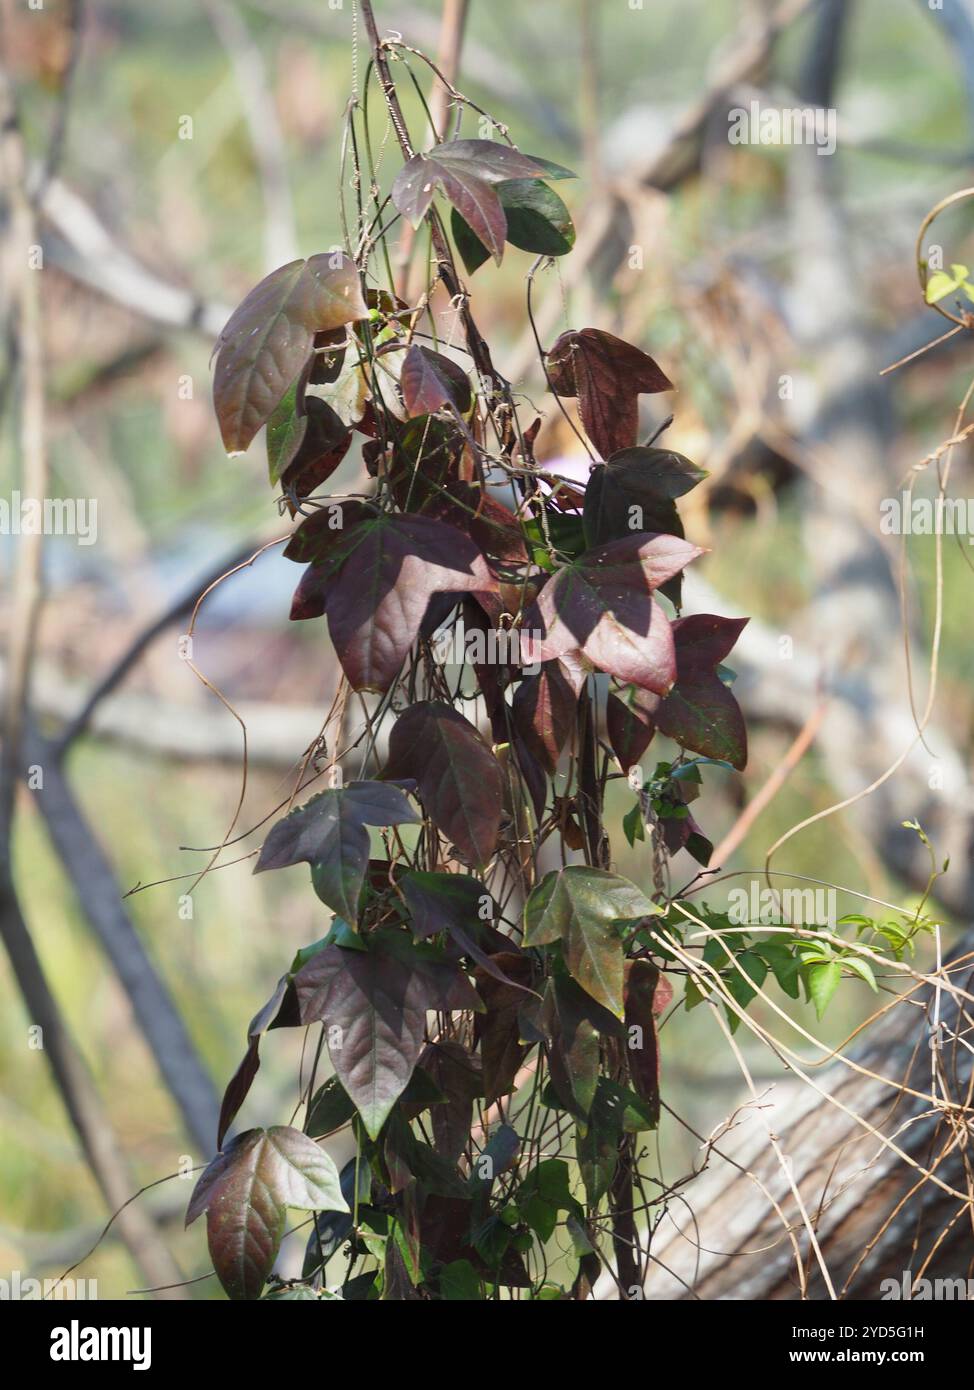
268, 339
607, 375
602, 605
582, 907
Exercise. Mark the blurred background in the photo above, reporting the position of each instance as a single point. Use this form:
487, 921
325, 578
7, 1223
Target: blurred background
178, 153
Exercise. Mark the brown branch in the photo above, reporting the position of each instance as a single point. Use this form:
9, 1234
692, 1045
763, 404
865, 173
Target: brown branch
78, 1091
771, 788
267, 142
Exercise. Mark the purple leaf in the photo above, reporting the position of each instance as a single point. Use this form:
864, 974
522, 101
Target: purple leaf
630, 724
544, 708
390, 569
700, 713
464, 172
460, 781
641, 1007
429, 381
374, 1004
328, 832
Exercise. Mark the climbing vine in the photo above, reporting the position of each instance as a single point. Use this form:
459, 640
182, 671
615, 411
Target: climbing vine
489, 990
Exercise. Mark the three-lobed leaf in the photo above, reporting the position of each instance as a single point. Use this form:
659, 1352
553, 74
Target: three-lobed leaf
700, 712
328, 832
459, 780
376, 583
466, 172
582, 908
607, 375
374, 1003
602, 605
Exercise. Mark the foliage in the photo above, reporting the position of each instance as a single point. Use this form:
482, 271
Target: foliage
497, 1066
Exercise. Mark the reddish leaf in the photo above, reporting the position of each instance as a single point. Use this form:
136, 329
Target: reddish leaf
459, 1076
324, 444
602, 605
700, 713
454, 903
429, 381
498, 1029
374, 1004
635, 491
278, 1012
321, 537
630, 724
268, 340
464, 172
607, 375
537, 221
390, 568
245, 1193
459, 779
544, 709
642, 1044
328, 832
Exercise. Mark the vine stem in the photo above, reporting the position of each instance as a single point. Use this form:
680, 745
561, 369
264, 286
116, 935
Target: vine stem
446, 269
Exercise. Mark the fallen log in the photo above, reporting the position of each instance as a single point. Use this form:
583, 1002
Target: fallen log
882, 1162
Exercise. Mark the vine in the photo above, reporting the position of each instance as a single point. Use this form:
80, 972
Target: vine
490, 989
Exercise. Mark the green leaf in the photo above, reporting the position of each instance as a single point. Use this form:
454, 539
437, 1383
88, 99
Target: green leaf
823, 979
285, 431
632, 825
863, 969
540, 1215
940, 284
583, 907
785, 966
330, 1109
294, 1293
743, 987
573, 1042
537, 221
460, 1282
